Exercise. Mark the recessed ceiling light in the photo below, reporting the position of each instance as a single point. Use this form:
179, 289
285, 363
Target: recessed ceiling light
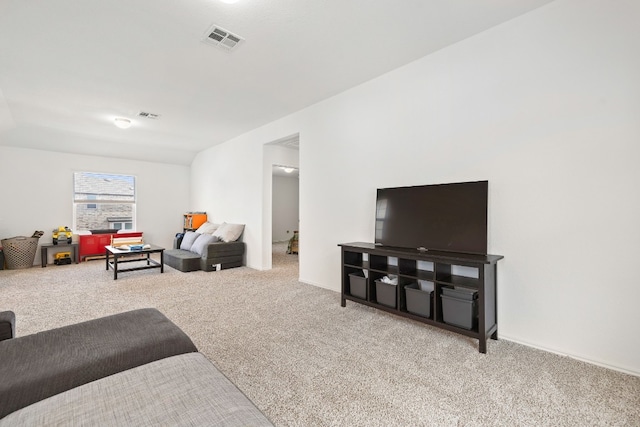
229, 1
286, 169
122, 123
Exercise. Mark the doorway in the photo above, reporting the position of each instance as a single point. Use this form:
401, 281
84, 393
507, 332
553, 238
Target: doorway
285, 210
281, 221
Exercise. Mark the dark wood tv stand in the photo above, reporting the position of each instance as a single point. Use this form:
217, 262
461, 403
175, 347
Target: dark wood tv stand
444, 269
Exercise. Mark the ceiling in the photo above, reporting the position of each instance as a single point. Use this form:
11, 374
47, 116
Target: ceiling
69, 67
278, 170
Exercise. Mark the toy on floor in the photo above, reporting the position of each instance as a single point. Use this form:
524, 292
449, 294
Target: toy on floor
62, 258
292, 248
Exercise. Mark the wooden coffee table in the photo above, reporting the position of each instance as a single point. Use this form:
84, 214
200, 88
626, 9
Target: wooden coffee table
116, 256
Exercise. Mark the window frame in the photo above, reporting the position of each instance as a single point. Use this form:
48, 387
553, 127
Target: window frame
92, 200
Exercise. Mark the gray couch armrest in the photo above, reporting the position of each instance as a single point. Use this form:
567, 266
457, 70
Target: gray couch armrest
177, 240
7, 325
44, 364
218, 249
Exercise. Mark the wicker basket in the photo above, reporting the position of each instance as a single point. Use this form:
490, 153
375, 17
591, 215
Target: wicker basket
19, 252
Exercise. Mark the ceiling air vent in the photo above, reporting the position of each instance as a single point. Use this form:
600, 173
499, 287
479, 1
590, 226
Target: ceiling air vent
148, 115
220, 37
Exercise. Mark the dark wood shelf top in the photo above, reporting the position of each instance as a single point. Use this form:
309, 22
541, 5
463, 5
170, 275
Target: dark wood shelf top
434, 255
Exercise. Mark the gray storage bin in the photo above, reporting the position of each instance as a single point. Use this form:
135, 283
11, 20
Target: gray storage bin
386, 294
460, 293
425, 285
358, 285
459, 312
418, 301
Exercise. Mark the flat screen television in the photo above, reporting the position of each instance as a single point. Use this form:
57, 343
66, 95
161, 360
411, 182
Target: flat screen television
442, 217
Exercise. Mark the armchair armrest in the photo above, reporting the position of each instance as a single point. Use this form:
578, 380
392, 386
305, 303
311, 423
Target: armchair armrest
7, 325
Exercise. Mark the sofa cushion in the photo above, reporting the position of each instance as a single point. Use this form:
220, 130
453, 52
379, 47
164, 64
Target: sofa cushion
199, 246
41, 365
188, 240
229, 232
180, 390
182, 260
207, 228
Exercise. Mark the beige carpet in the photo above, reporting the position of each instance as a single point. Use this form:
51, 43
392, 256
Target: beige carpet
306, 361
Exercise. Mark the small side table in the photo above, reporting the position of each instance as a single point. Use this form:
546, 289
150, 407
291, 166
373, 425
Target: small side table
44, 251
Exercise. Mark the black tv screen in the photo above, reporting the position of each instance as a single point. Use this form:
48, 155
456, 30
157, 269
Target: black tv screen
443, 217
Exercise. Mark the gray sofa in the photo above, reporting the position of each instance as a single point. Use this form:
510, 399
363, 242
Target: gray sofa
7, 325
215, 256
133, 368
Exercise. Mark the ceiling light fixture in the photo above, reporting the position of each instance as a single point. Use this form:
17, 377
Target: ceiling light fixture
122, 123
229, 1
286, 169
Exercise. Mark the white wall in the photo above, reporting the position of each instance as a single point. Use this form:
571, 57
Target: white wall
37, 192
285, 208
220, 183
546, 108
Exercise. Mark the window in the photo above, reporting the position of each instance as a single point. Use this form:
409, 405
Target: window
381, 215
120, 223
103, 201
92, 205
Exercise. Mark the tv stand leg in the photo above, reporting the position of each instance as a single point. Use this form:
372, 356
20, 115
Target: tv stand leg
494, 336
343, 302
482, 348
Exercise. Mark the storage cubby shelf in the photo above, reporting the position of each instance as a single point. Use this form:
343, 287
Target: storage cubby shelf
391, 269
483, 327
418, 274
452, 280
362, 265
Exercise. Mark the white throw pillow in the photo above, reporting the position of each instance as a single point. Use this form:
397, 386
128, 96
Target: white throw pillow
229, 232
207, 228
200, 245
188, 239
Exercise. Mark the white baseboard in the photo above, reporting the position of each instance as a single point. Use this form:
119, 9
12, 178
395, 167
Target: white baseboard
573, 356
311, 282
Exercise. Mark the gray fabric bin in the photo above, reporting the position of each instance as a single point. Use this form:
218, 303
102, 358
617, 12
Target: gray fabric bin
460, 293
459, 312
386, 294
358, 285
418, 301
